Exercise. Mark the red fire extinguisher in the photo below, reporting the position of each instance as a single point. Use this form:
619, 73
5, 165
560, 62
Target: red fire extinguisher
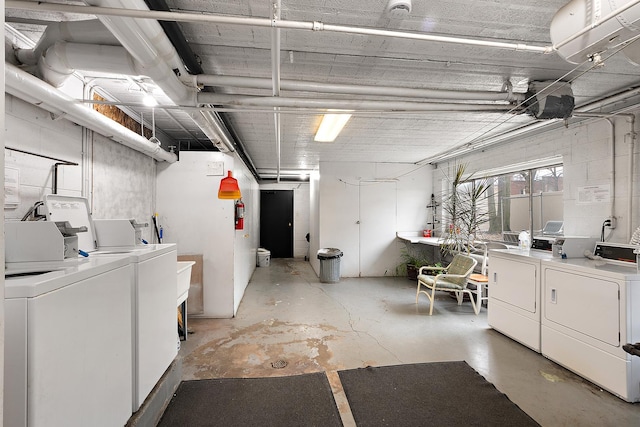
239, 215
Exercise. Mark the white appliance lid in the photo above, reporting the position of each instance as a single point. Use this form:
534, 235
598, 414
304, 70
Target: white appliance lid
74, 210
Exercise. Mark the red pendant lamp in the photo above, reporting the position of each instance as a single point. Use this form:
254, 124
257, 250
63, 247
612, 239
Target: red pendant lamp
229, 188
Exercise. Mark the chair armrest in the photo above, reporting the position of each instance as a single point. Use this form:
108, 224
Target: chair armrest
445, 276
428, 268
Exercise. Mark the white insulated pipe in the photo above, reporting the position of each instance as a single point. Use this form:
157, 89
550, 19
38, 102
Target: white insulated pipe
62, 59
344, 104
630, 180
146, 42
265, 22
403, 92
33, 90
275, 77
90, 32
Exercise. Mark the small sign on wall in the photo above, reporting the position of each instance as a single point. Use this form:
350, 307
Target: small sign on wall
215, 168
11, 188
594, 194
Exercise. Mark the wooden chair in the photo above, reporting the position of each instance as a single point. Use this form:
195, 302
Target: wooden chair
452, 278
481, 280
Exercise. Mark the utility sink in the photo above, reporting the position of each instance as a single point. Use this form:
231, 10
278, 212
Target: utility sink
184, 280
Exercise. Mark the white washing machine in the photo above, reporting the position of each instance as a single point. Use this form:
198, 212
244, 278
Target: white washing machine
154, 315
154, 321
68, 343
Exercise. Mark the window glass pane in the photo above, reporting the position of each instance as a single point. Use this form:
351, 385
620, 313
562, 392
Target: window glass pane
548, 205
505, 210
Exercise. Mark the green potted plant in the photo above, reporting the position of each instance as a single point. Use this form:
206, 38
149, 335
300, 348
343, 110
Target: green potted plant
463, 210
410, 264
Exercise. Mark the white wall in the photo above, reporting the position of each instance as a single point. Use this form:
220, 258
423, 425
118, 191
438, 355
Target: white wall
339, 206
301, 194
314, 219
200, 223
2, 144
117, 181
123, 183
32, 129
245, 241
586, 154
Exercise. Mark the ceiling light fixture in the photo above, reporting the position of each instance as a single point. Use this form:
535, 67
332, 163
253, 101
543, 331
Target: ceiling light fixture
331, 126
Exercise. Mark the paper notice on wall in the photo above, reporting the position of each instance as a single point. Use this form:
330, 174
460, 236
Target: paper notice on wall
11, 188
594, 194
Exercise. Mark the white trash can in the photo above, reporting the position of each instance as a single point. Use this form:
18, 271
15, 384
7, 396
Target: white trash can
264, 257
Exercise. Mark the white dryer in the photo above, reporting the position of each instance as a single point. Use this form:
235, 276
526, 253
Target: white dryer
589, 313
68, 343
514, 294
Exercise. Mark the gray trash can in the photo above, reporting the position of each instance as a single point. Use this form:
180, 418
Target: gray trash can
329, 265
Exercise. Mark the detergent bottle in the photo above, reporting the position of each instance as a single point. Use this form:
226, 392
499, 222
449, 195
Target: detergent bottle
524, 241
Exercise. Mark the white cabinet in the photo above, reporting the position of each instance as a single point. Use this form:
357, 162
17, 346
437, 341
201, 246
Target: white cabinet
514, 295
587, 317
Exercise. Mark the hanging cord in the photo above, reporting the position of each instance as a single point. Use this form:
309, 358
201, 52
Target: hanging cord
32, 210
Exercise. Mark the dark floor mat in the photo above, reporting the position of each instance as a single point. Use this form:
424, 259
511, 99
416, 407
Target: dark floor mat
428, 394
301, 400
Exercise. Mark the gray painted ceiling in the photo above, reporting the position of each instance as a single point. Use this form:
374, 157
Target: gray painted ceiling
377, 135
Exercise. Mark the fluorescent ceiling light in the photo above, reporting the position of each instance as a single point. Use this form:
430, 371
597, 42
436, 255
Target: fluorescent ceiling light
331, 126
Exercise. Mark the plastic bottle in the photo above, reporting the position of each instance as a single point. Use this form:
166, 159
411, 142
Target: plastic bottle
524, 241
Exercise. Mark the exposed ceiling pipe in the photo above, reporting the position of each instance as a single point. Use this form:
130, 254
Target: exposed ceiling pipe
539, 126
609, 100
275, 77
265, 22
33, 90
630, 178
403, 92
146, 42
175, 35
62, 59
116, 60
192, 63
311, 25
347, 104
90, 31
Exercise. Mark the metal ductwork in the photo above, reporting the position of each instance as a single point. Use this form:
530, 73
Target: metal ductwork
145, 40
62, 59
149, 53
33, 90
89, 32
549, 100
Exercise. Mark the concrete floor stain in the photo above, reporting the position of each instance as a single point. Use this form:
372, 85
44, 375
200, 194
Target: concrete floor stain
251, 350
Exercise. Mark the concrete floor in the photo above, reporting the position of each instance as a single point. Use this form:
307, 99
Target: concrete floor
288, 315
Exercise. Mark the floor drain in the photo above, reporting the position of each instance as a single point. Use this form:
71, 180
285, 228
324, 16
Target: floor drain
279, 364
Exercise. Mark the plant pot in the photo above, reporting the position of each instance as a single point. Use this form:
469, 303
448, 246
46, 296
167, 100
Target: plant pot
412, 272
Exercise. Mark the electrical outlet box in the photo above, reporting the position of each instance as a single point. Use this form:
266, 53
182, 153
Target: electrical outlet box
612, 220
